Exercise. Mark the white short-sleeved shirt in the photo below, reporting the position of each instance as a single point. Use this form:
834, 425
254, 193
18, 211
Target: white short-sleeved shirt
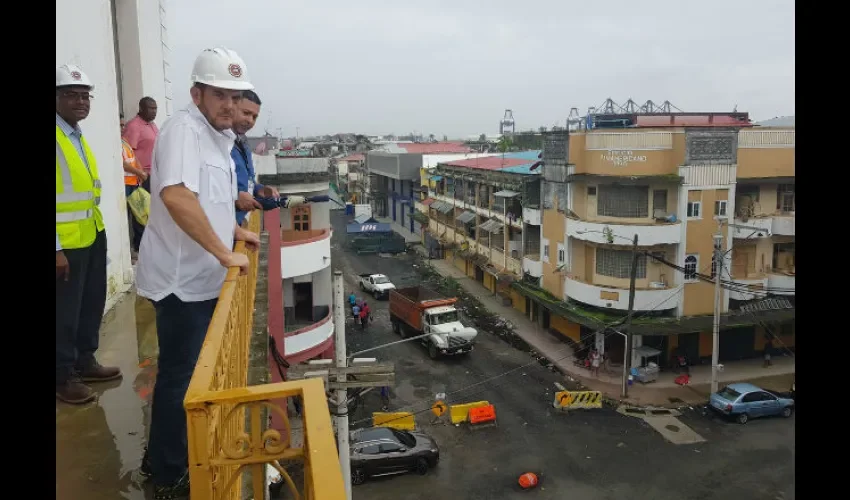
191, 152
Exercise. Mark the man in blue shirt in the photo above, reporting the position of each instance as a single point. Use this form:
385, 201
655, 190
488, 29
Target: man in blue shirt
247, 112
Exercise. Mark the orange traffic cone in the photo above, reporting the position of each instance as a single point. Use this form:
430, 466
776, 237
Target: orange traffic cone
528, 480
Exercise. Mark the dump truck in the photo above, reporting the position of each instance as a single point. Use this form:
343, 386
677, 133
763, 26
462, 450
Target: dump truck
420, 311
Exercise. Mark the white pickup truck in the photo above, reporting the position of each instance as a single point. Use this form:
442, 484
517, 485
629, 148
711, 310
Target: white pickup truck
376, 284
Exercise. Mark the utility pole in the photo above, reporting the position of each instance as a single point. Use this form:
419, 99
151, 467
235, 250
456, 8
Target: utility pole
341, 393
715, 338
627, 352
369, 373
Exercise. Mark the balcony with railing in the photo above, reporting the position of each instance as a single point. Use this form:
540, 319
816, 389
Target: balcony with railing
308, 251
227, 432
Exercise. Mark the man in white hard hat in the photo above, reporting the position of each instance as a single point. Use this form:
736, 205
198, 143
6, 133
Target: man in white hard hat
188, 247
80, 245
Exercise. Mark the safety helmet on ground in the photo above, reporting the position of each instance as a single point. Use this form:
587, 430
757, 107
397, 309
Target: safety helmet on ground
528, 480
69, 75
223, 68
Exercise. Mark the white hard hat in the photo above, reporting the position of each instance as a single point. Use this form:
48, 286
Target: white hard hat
222, 68
70, 74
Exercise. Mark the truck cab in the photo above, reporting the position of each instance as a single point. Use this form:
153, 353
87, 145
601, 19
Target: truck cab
448, 335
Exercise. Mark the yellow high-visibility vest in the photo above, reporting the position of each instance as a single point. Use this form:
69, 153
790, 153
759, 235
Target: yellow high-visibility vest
78, 217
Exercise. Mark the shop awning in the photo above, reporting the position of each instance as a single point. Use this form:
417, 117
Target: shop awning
428, 201
506, 193
466, 217
442, 207
492, 226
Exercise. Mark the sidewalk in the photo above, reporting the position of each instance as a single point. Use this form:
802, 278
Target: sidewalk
408, 236
663, 392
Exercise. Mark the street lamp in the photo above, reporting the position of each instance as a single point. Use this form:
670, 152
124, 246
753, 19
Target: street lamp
627, 351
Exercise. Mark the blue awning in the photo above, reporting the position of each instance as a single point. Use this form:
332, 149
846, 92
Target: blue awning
380, 227
436, 177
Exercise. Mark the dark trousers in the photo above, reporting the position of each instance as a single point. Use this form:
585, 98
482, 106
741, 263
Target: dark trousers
79, 308
136, 229
180, 329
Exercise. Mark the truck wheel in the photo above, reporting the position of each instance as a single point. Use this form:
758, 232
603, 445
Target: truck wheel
396, 328
362, 288
432, 351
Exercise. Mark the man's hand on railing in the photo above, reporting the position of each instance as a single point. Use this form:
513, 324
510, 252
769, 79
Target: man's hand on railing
235, 259
252, 241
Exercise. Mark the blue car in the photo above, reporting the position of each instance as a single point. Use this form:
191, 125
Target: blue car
745, 401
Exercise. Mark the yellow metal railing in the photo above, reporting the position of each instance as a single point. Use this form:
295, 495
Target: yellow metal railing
221, 443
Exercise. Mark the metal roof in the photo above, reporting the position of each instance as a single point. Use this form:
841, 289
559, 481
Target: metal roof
519, 162
506, 193
492, 226
466, 217
442, 207
364, 218
428, 201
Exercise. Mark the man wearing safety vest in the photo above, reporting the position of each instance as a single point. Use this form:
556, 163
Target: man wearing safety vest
187, 249
80, 245
134, 176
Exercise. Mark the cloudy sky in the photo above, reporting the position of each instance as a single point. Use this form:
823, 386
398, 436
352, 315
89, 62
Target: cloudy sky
453, 66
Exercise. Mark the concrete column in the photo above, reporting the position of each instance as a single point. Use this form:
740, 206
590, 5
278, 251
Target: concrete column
142, 48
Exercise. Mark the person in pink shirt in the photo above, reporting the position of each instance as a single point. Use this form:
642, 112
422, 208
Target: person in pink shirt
141, 133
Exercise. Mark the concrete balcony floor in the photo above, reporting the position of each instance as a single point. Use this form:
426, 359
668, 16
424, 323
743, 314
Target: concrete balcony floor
99, 445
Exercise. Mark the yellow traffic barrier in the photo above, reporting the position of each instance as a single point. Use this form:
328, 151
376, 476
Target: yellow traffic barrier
578, 399
460, 413
400, 420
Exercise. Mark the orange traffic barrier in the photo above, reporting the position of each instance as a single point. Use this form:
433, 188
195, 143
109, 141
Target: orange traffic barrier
482, 414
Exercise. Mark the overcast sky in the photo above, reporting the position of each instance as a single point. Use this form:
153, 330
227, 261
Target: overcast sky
453, 66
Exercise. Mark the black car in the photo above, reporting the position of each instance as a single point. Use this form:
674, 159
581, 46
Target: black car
382, 451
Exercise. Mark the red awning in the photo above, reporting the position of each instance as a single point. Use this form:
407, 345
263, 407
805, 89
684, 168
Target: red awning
427, 201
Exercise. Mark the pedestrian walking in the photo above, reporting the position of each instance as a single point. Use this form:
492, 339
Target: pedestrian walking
352, 299
188, 248
247, 112
355, 312
141, 133
385, 398
364, 316
768, 348
80, 245
595, 361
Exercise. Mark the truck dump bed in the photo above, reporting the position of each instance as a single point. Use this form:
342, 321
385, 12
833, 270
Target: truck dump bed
407, 303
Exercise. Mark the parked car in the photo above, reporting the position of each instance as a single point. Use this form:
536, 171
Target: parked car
745, 401
383, 451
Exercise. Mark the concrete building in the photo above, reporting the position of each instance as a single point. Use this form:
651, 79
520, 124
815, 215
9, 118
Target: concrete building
484, 216
394, 177
124, 50
672, 181
672, 187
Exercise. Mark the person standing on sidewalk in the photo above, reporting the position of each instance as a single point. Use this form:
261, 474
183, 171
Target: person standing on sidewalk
134, 176
80, 245
141, 133
188, 248
247, 112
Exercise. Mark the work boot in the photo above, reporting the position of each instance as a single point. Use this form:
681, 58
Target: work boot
177, 490
74, 392
95, 372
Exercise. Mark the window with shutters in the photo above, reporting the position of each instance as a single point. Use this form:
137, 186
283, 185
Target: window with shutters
301, 218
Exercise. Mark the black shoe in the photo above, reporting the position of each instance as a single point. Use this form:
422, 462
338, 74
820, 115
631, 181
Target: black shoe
174, 491
145, 470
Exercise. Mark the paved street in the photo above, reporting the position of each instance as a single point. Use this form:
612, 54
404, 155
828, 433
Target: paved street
594, 454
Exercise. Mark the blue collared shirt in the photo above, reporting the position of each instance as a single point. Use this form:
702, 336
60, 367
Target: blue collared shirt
75, 135
244, 172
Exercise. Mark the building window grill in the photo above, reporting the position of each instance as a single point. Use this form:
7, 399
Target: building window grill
623, 201
618, 263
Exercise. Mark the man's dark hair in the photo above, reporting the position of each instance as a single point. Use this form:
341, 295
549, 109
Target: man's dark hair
146, 100
252, 96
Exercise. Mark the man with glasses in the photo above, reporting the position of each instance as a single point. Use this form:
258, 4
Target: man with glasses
80, 245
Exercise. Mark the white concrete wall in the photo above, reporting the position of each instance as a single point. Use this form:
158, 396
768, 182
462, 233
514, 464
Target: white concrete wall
144, 62
92, 48
264, 164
